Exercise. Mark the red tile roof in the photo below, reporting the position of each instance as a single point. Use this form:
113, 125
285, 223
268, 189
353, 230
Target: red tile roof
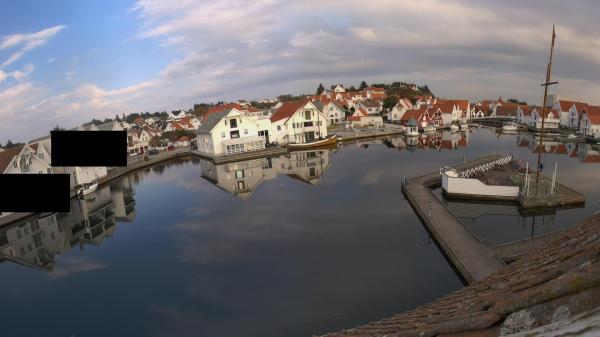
7, 155
287, 109
566, 105
463, 104
593, 113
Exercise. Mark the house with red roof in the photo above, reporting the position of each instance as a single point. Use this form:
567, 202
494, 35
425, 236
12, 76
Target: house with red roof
361, 118
371, 106
375, 93
551, 119
420, 116
570, 112
590, 121
298, 122
395, 115
461, 109
443, 113
333, 110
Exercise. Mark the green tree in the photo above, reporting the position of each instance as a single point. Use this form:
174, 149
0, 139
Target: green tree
320, 89
516, 101
362, 85
389, 102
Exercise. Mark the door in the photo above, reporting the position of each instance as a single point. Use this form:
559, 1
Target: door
264, 133
309, 136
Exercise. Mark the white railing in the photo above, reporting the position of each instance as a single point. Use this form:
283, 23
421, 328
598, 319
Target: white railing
480, 168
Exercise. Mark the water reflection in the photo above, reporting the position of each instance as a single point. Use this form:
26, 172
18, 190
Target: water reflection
36, 240
294, 245
243, 178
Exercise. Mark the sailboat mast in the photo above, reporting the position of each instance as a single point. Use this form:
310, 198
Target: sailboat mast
545, 85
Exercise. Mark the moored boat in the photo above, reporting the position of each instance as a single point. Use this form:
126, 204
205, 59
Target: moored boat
454, 128
87, 189
509, 127
464, 127
429, 128
317, 143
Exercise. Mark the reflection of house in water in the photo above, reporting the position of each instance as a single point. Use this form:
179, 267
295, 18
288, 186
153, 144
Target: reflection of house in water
588, 153
551, 146
243, 178
122, 195
34, 241
532, 222
441, 140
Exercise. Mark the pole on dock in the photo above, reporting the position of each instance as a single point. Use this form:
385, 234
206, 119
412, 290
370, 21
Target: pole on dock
545, 85
552, 190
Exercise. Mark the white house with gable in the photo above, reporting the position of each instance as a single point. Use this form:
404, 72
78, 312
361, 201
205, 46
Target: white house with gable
228, 132
298, 122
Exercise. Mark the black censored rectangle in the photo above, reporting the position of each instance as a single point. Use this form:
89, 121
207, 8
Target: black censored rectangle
89, 148
34, 193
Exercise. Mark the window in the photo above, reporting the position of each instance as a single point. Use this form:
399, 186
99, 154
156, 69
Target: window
29, 247
307, 114
245, 131
225, 122
223, 135
234, 134
41, 155
308, 124
241, 185
22, 251
278, 129
15, 163
233, 123
239, 174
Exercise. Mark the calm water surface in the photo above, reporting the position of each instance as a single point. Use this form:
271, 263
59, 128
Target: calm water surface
289, 246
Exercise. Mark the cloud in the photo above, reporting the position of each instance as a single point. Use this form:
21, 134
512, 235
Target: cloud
27, 42
227, 50
71, 266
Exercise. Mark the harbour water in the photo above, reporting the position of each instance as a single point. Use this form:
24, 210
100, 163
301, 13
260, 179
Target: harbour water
295, 245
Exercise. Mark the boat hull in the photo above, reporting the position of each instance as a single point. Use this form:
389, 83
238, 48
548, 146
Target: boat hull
317, 144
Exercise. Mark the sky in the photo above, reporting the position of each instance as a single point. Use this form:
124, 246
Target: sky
64, 62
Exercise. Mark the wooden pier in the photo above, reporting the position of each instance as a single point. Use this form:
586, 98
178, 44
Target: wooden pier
471, 258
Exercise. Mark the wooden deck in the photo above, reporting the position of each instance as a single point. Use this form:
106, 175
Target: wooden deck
471, 258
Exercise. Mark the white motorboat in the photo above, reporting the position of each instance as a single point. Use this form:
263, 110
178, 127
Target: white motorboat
429, 128
511, 127
572, 136
454, 128
464, 127
87, 189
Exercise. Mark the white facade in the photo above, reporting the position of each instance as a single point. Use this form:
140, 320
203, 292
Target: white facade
588, 127
229, 132
306, 124
334, 113
551, 121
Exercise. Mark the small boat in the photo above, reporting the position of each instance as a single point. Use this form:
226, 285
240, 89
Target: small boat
316, 143
572, 136
509, 127
429, 128
464, 127
87, 189
454, 128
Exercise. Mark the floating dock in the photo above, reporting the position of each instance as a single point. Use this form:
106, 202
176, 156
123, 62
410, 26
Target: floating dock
471, 258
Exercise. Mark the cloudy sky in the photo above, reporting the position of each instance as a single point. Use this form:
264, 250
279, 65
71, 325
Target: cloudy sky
65, 62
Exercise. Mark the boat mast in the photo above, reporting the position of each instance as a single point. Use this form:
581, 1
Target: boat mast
545, 85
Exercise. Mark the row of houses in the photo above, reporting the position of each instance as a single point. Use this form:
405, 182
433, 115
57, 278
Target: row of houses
437, 112
572, 115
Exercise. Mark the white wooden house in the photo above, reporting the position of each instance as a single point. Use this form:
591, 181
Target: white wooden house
334, 111
298, 122
228, 132
551, 120
361, 118
590, 121
570, 113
